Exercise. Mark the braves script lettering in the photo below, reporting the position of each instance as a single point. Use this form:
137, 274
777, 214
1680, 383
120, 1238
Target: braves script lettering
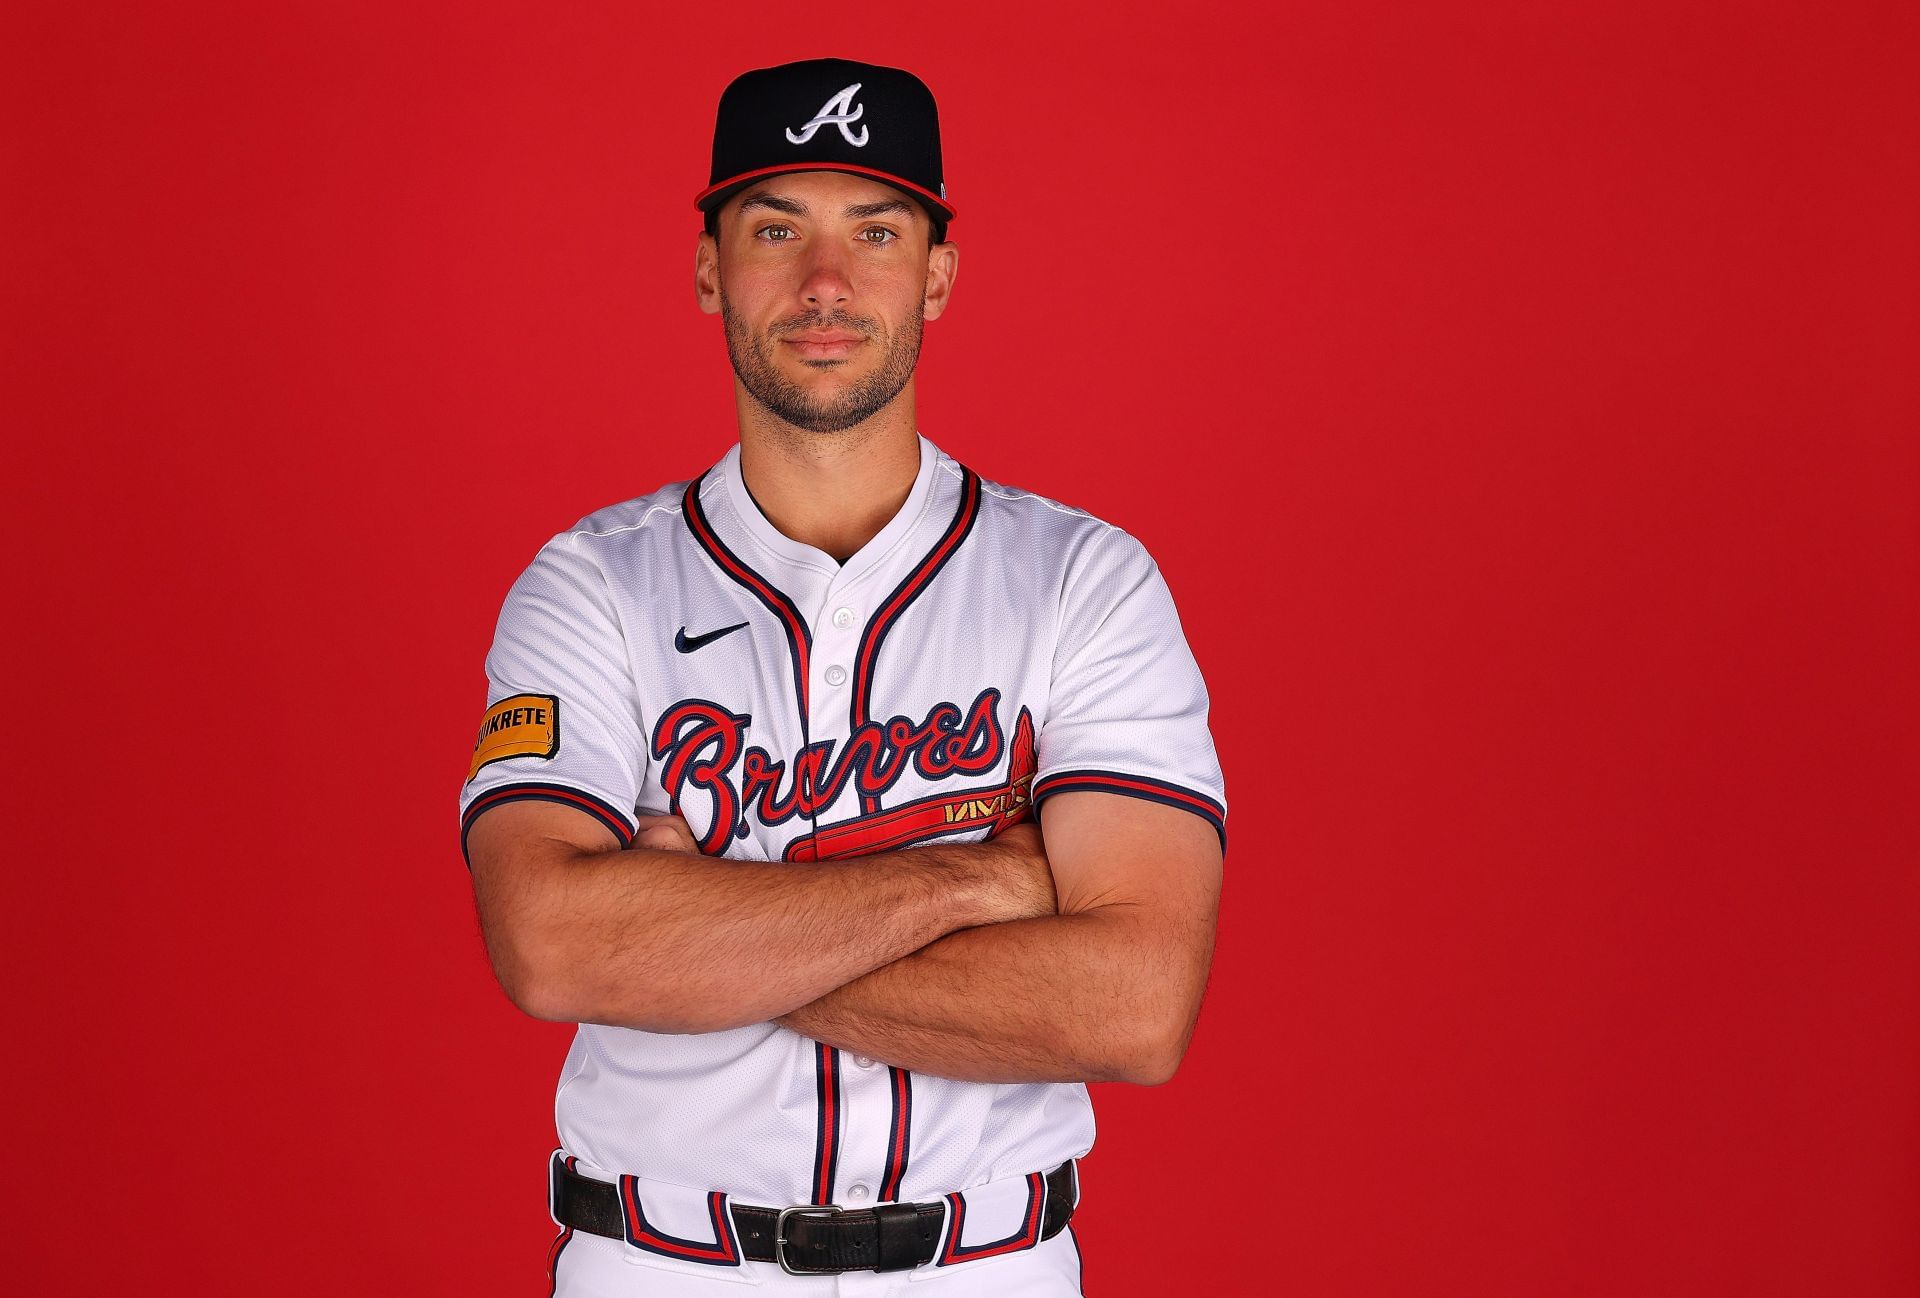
701, 746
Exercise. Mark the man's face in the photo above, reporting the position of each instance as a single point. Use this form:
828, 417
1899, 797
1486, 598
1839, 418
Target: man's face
823, 280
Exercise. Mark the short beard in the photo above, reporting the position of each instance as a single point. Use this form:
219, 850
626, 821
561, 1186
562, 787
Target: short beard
753, 362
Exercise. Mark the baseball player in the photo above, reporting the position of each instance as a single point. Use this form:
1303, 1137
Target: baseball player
858, 808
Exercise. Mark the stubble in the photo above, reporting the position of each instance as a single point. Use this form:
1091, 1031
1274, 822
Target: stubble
752, 358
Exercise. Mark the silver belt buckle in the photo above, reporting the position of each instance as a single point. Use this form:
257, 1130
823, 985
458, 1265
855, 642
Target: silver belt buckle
780, 1233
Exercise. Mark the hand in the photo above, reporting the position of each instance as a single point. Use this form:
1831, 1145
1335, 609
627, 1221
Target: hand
665, 834
1026, 874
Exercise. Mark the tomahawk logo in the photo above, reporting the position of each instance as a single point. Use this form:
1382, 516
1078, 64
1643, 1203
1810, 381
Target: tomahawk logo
838, 111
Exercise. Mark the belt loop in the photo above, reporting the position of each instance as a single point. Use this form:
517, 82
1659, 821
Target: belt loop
557, 1162
904, 1235
1063, 1196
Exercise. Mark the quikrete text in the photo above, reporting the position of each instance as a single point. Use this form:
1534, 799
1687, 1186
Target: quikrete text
514, 717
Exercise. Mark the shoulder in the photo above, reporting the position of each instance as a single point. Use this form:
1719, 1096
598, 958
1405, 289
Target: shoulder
629, 521
1072, 542
617, 535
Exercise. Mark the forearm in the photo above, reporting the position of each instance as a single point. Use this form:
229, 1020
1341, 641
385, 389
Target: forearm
674, 941
1108, 994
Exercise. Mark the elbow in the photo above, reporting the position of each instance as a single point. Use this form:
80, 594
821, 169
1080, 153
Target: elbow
1153, 1066
549, 980
541, 1001
1152, 1054
530, 961
532, 976
539, 974
544, 1000
1157, 1071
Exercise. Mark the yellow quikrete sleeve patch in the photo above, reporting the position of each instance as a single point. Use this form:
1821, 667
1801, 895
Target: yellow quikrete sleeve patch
525, 725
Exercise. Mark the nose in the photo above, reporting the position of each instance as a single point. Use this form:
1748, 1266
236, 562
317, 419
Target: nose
828, 281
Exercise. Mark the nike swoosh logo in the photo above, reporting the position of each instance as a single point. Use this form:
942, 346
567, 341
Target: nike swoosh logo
686, 644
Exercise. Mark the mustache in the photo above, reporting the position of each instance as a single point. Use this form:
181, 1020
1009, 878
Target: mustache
801, 324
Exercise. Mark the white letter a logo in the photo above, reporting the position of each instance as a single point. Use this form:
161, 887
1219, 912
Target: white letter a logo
838, 111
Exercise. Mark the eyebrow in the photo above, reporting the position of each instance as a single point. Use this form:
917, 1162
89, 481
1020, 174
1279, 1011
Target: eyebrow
854, 211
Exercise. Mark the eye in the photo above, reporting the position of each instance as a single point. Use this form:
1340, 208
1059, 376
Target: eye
879, 229
767, 229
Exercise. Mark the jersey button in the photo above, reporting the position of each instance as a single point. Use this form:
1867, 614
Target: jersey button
836, 675
863, 1061
858, 1193
843, 618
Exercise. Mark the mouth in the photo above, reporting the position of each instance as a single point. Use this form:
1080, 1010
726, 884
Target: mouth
824, 344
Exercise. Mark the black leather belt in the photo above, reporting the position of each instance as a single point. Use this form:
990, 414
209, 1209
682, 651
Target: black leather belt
807, 1240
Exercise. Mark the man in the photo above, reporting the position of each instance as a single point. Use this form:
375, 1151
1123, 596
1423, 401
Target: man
754, 800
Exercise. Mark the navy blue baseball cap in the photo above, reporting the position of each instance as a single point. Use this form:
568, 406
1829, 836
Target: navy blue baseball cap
829, 115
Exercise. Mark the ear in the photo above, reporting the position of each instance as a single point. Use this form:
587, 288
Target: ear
706, 273
943, 263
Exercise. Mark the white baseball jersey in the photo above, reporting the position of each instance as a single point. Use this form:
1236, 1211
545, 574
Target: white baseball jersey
988, 648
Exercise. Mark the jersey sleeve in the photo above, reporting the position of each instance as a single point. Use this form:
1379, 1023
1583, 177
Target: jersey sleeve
1128, 708
562, 721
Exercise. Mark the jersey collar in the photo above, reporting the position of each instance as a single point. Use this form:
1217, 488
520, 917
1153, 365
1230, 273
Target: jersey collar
753, 525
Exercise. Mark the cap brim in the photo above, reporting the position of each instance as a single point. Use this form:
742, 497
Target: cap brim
714, 195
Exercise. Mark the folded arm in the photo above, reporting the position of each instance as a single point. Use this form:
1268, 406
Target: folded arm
1109, 989
663, 938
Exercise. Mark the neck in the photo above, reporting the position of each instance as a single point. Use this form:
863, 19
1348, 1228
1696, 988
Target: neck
832, 491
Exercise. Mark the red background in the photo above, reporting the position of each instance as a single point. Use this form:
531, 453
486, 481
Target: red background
1520, 400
